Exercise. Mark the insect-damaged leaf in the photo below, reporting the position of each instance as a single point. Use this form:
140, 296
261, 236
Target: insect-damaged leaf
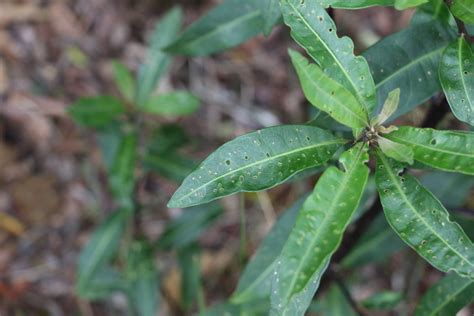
318, 230
328, 95
422, 221
456, 73
447, 296
446, 150
315, 31
256, 161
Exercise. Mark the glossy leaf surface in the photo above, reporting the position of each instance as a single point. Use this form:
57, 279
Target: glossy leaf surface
395, 150
414, 55
256, 280
464, 10
172, 104
124, 80
270, 10
227, 25
96, 111
355, 4
405, 4
157, 61
313, 29
328, 95
256, 161
389, 107
447, 297
319, 228
456, 74
422, 221
446, 150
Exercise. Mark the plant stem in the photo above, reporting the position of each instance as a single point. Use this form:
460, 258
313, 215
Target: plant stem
243, 230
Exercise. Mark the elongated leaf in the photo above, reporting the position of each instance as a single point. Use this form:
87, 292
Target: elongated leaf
190, 275
456, 73
383, 300
255, 281
446, 150
355, 4
102, 283
334, 303
422, 221
225, 26
96, 111
142, 276
377, 243
327, 95
389, 107
124, 80
157, 61
185, 229
395, 150
172, 104
100, 249
409, 60
315, 31
270, 10
446, 297
256, 161
405, 4
319, 228
464, 10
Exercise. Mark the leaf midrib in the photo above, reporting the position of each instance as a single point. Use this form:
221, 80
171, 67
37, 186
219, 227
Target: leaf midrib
346, 74
461, 69
334, 142
362, 120
347, 176
409, 65
394, 180
449, 297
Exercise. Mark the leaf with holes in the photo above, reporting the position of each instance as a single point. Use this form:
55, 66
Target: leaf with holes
464, 10
446, 150
225, 26
256, 161
327, 95
422, 221
319, 228
456, 73
315, 31
447, 297
414, 55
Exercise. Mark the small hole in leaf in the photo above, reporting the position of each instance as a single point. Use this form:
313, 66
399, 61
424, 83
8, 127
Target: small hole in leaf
465, 72
332, 92
227, 162
308, 138
268, 155
330, 30
433, 141
246, 157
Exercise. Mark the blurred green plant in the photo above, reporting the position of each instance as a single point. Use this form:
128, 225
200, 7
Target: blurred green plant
118, 258
359, 93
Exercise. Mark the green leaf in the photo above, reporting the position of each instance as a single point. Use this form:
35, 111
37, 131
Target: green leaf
314, 30
190, 275
270, 10
101, 284
463, 10
255, 282
256, 161
355, 4
96, 111
447, 297
383, 300
446, 150
389, 107
157, 61
101, 247
327, 95
456, 73
121, 174
434, 10
333, 303
376, 244
414, 55
172, 104
422, 221
225, 26
405, 4
167, 138
395, 150
109, 139
142, 276
185, 229
124, 80
319, 228
452, 189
